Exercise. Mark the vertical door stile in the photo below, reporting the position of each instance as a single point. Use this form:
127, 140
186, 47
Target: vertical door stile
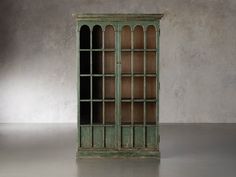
78, 79
132, 87
118, 86
144, 89
103, 88
91, 86
157, 84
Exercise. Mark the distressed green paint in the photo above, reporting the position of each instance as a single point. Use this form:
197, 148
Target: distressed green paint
78, 82
157, 81
111, 153
118, 17
86, 137
118, 85
97, 137
117, 140
117, 90
151, 137
126, 137
110, 134
138, 136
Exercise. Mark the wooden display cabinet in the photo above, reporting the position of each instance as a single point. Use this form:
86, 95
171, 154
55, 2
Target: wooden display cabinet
118, 85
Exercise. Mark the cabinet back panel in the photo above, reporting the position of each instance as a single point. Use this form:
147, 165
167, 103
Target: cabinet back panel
151, 62
151, 37
126, 37
138, 62
97, 113
151, 87
109, 37
97, 37
126, 113
109, 87
109, 62
126, 62
138, 113
151, 113
109, 113
97, 62
126, 87
84, 37
138, 37
84, 62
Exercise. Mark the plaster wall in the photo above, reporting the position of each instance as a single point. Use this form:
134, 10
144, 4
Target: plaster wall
197, 60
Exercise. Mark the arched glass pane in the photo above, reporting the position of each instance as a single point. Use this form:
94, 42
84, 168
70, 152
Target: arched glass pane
84, 37
151, 37
97, 37
109, 37
138, 37
126, 37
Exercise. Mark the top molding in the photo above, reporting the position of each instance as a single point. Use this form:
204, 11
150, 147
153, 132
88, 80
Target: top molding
117, 17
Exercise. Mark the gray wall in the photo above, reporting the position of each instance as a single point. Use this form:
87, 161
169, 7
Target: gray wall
38, 67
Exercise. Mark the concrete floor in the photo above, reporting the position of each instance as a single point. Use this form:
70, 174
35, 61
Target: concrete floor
48, 150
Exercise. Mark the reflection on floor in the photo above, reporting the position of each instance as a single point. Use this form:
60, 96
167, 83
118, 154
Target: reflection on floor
48, 150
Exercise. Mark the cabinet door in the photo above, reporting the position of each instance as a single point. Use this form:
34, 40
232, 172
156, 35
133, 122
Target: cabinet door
139, 85
97, 85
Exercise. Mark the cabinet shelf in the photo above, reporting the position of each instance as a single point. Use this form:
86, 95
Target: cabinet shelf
139, 75
140, 100
97, 75
139, 50
97, 100
97, 50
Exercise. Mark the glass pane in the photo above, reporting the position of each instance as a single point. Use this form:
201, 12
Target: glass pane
138, 113
126, 62
84, 88
84, 62
109, 113
151, 113
109, 62
84, 37
138, 37
109, 37
84, 113
97, 37
151, 62
97, 62
126, 37
110, 87
151, 87
126, 113
138, 87
126, 87
97, 113
138, 62
151, 37
97, 87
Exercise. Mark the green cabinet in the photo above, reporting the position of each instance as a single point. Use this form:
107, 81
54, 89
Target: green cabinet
118, 85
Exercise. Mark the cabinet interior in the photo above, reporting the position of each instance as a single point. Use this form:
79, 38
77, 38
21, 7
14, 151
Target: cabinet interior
138, 75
